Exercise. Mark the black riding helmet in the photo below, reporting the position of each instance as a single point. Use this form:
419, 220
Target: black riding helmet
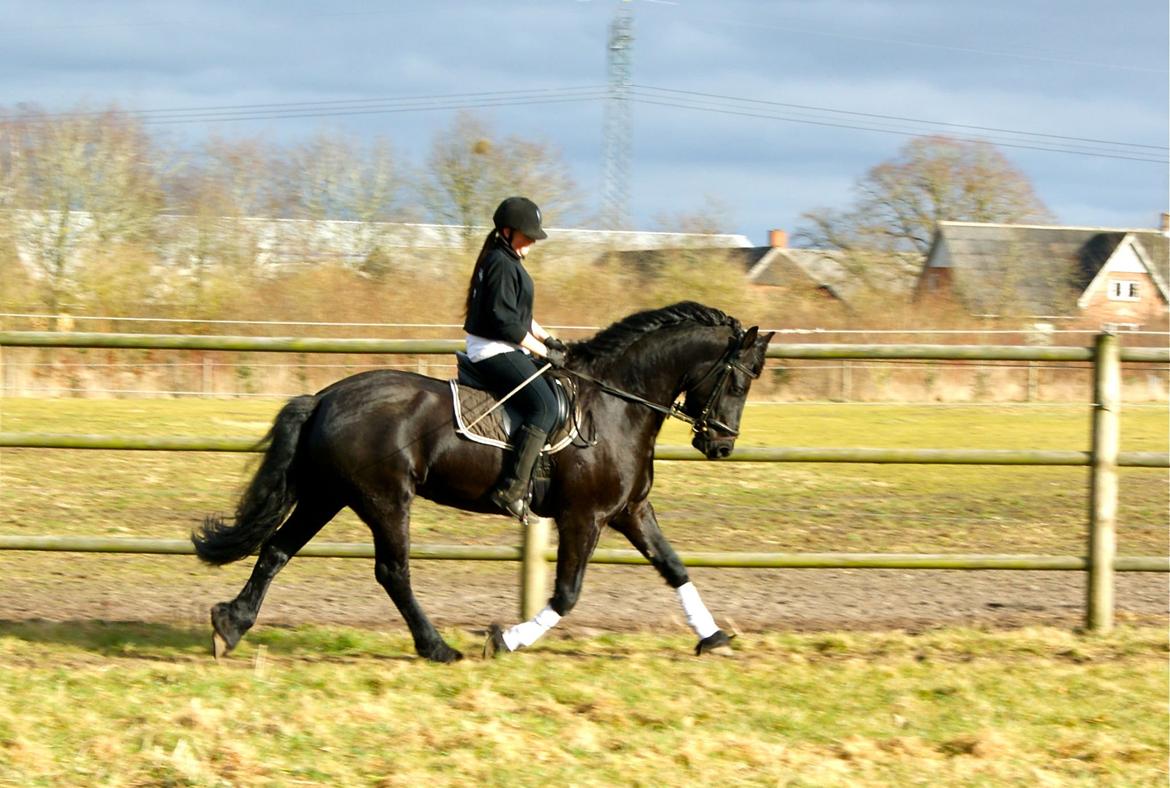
522, 214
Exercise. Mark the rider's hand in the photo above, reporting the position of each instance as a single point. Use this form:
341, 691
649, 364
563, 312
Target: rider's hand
555, 357
552, 343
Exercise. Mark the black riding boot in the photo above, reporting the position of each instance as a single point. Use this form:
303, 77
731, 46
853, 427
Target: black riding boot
512, 492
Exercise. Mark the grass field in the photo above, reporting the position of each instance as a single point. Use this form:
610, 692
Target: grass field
748, 506
140, 705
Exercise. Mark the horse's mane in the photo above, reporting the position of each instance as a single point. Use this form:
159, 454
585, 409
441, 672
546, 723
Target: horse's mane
611, 343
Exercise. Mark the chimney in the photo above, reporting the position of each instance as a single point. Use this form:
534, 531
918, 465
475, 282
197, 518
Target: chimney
778, 239
1166, 222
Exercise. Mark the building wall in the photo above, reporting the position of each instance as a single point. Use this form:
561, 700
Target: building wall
1100, 307
935, 280
1123, 292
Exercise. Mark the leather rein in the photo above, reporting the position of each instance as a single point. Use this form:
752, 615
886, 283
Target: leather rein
702, 423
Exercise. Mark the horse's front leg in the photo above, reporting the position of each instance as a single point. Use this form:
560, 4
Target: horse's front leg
638, 524
578, 535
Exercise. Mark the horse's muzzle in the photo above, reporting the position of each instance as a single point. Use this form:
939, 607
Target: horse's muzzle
713, 448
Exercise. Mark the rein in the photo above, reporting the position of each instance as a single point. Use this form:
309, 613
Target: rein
702, 423
674, 410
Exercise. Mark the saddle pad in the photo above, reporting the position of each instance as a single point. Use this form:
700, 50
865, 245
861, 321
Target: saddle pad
495, 429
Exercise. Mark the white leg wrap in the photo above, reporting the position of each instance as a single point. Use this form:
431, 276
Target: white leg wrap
697, 614
531, 631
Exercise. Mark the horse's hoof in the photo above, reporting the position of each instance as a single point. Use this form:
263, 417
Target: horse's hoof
443, 654
494, 646
718, 644
219, 646
224, 634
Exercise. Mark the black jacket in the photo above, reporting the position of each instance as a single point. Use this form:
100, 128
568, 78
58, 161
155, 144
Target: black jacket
501, 297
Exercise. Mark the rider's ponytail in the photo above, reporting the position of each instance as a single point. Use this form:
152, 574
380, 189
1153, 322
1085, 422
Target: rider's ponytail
483, 253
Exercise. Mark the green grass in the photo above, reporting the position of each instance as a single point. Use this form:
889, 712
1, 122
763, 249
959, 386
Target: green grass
140, 704
745, 506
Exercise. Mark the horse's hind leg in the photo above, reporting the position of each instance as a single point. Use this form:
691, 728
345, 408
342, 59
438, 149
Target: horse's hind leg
390, 524
639, 524
230, 620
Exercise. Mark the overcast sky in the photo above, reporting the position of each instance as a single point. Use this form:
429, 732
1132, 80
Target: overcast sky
816, 74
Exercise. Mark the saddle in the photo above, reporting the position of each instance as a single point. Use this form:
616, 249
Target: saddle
471, 400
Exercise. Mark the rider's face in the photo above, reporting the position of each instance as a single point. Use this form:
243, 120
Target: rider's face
521, 243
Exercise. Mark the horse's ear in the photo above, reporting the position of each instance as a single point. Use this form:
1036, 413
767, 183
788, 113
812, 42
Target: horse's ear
749, 337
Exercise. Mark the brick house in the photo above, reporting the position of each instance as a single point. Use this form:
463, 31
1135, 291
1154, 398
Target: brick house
822, 276
1098, 276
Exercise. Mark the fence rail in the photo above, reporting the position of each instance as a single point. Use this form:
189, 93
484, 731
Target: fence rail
1128, 459
718, 559
1103, 459
447, 346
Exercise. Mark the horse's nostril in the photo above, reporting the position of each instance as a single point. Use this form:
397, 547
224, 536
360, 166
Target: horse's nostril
724, 451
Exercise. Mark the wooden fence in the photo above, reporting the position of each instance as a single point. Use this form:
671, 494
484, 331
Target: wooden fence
1103, 458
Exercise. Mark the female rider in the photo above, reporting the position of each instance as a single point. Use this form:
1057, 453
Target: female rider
502, 337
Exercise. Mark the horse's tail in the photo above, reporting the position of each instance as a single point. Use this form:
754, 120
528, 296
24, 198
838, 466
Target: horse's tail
270, 495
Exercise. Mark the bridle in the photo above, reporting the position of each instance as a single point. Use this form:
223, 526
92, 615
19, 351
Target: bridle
703, 423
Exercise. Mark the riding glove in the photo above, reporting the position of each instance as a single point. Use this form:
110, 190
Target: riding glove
555, 357
552, 343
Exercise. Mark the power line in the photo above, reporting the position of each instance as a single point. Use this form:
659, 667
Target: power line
646, 94
279, 110
731, 109
383, 110
483, 94
901, 118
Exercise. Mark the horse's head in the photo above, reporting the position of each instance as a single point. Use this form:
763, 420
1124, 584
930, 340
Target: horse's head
715, 400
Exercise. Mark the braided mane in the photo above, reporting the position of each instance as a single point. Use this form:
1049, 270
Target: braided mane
612, 343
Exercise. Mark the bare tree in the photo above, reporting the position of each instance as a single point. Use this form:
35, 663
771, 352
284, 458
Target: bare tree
76, 183
536, 170
899, 203
333, 177
712, 217
216, 191
469, 172
454, 188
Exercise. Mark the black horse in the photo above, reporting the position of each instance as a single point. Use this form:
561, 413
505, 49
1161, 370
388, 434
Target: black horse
375, 440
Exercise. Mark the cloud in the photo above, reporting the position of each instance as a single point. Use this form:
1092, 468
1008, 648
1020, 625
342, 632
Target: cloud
1014, 65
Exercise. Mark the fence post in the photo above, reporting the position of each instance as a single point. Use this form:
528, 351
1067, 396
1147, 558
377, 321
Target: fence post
533, 568
1103, 482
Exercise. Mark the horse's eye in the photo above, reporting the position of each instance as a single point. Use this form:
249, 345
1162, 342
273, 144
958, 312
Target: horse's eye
736, 391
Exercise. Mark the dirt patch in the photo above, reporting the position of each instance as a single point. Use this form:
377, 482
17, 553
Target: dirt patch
615, 598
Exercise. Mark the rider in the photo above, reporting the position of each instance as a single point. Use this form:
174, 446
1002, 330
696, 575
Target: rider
502, 337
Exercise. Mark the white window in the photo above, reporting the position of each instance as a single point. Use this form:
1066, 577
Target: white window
1124, 290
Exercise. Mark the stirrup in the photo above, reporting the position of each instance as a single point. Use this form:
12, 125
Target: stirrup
517, 507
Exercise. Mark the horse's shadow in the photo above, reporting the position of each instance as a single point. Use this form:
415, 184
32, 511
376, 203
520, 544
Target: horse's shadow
166, 642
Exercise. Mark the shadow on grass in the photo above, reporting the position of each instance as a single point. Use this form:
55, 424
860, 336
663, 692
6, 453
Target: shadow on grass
109, 637
309, 644
137, 639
